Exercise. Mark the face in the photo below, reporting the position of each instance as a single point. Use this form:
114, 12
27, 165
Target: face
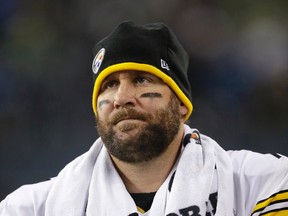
138, 115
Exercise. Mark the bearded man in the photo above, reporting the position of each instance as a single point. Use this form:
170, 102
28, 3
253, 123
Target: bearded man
147, 161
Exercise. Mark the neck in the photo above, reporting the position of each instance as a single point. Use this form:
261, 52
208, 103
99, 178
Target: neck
149, 176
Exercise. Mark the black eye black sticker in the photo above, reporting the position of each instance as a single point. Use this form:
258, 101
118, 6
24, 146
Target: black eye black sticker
151, 95
102, 102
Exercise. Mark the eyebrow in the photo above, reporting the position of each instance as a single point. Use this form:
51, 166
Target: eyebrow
151, 95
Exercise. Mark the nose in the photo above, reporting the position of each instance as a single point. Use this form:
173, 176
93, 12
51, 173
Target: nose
125, 96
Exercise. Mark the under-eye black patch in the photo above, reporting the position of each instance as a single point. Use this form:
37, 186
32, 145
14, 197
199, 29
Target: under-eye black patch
151, 95
102, 102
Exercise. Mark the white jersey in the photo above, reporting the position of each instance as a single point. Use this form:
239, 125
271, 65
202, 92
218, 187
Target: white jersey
260, 188
260, 183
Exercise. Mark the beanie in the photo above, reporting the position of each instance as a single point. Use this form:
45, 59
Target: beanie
151, 48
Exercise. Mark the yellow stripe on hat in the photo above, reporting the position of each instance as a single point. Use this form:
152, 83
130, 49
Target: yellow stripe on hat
139, 67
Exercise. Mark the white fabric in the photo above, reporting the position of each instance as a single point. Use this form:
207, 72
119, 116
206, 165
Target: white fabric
256, 178
92, 181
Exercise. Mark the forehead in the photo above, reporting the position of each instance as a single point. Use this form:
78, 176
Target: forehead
132, 74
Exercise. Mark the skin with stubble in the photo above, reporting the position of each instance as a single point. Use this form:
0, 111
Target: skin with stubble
149, 142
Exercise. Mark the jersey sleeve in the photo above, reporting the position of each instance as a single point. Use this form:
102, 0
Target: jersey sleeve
261, 183
26, 200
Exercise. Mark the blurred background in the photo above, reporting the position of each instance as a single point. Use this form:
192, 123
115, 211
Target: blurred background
238, 71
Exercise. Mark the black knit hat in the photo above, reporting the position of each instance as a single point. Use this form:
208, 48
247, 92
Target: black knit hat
151, 48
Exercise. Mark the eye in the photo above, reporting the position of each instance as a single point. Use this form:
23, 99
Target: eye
109, 84
141, 80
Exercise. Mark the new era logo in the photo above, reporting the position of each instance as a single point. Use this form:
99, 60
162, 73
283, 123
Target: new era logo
164, 65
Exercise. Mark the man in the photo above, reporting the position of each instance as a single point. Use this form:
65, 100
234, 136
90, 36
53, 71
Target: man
147, 161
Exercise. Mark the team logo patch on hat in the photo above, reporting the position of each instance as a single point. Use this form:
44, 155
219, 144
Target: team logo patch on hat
98, 60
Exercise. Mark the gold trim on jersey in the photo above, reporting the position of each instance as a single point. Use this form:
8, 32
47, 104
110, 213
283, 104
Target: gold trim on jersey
280, 197
276, 212
140, 210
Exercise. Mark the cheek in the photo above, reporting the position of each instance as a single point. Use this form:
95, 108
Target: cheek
153, 104
104, 106
103, 114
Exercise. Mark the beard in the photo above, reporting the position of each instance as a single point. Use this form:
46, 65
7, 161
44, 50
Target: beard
151, 139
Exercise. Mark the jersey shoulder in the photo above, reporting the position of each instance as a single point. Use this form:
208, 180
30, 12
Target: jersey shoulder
26, 200
257, 164
260, 182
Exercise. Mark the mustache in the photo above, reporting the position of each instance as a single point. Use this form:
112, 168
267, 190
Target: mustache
127, 113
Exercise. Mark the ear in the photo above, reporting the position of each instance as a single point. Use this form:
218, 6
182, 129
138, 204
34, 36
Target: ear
183, 109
